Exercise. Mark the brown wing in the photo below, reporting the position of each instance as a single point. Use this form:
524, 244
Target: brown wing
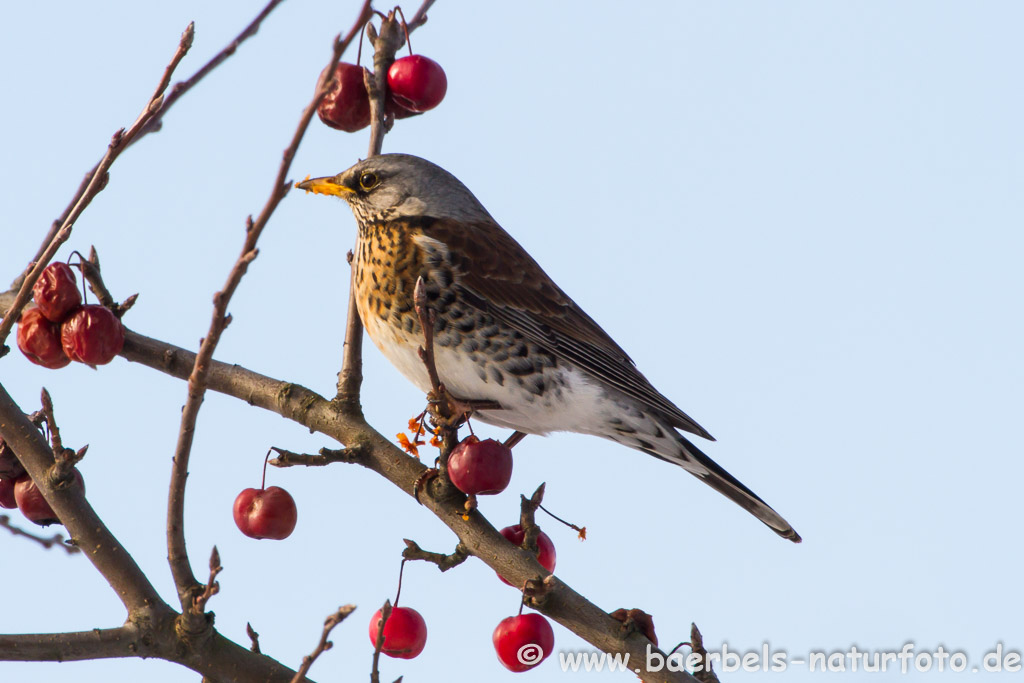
496, 271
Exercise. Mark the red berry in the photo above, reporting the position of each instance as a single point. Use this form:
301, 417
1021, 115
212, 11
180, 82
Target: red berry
480, 467
32, 504
7, 499
346, 106
417, 82
524, 641
39, 340
545, 548
265, 513
405, 633
92, 335
56, 292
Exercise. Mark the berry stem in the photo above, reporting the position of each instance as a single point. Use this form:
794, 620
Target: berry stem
81, 269
263, 483
401, 570
405, 27
557, 518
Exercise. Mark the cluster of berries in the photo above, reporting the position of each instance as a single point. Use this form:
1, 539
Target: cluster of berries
415, 84
59, 329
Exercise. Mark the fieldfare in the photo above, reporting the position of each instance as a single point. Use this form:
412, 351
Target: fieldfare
504, 330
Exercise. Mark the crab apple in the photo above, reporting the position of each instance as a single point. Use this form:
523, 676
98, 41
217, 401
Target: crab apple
56, 292
39, 339
545, 548
405, 633
346, 106
7, 499
524, 641
92, 335
480, 467
32, 504
266, 513
417, 83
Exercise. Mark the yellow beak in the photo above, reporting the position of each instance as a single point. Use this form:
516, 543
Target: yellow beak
330, 185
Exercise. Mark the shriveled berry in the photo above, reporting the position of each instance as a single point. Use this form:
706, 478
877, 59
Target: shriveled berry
56, 292
346, 106
92, 335
39, 339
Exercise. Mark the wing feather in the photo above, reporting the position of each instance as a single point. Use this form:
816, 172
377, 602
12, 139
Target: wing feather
498, 276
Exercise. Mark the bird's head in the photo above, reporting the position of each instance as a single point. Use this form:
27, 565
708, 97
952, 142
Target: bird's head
391, 186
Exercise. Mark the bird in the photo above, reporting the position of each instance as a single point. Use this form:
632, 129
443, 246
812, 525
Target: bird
504, 332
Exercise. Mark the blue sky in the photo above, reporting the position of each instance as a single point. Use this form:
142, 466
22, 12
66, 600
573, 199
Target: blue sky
801, 219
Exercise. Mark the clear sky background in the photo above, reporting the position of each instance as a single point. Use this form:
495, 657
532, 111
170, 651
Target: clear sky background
802, 219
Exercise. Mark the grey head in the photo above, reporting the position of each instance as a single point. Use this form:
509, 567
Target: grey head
391, 186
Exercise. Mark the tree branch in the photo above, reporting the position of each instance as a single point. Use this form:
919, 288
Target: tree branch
98, 643
87, 530
177, 553
97, 180
311, 410
55, 541
324, 644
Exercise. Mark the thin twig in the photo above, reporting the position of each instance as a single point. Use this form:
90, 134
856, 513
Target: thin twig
528, 509
324, 644
97, 181
444, 562
385, 44
212, 587
704, 673
177, 553
182, 87
105, 552
420, 17
53, 541
327, 456
378, 645
254, 638
427, 320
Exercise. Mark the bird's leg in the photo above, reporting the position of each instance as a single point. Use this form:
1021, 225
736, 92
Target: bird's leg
514, 438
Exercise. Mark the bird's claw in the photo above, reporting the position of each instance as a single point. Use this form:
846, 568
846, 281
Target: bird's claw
422, 481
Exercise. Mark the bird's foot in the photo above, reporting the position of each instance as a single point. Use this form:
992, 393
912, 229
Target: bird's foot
422, 481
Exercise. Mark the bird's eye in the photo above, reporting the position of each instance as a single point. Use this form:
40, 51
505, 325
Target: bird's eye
368, 181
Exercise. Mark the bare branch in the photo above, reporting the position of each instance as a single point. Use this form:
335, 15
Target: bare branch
183, 87
176, 550
53, 541
212, 587
385, 614
324, 644
327, 456
87, 530
97, 181
77, 646
444, 562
